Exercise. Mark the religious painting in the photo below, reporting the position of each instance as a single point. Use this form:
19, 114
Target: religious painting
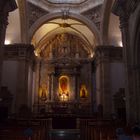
43, 92
64, 88
83, 91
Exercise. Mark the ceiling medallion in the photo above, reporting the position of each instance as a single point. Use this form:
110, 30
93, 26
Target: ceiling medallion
66, 1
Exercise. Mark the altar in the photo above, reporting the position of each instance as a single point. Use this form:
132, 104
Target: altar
62, 85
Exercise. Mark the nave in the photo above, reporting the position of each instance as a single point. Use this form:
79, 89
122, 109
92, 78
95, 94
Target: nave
69, 69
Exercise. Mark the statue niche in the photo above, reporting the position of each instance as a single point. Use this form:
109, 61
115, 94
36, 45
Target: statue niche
83, 92
64, 88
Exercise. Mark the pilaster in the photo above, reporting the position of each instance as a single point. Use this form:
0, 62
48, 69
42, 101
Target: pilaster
6, 6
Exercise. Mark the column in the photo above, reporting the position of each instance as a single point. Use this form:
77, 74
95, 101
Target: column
124, 9
52, 87
25, 60
130, 101
37, 83
76, 87
3, 25
103, 93
50, 83
6, 6
105, 84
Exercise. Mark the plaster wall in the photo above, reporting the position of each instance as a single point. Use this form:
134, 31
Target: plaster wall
117, 77
9, 77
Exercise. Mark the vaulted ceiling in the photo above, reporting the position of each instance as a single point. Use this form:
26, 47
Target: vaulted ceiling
85, 12
38, 21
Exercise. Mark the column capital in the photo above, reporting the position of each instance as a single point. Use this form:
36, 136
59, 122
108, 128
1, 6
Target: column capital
7, 5
123, 9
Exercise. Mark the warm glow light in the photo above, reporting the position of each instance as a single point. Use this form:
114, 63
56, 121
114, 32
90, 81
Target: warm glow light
120, 44
36, 53
91, 55
7, 42
64, 88
64, 97
83, 91
43, 92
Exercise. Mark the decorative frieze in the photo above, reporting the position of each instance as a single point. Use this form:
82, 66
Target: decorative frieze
34, 13
94, 15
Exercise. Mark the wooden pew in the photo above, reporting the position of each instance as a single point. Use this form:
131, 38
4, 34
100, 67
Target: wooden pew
18, 130
92, 129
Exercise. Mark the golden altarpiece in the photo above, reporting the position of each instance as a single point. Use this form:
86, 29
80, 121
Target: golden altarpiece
64, 76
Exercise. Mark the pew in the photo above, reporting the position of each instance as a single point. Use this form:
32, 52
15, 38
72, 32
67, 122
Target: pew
23, 129
93, 129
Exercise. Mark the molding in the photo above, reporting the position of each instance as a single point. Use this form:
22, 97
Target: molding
34, 13
110, 53
18, 52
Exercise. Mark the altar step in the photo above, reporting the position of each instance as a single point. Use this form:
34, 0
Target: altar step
63, 134
64, 122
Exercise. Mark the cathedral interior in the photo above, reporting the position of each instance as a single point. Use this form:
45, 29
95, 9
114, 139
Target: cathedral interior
69, 69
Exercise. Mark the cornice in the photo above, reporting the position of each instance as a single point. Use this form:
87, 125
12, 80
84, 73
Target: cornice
18, 52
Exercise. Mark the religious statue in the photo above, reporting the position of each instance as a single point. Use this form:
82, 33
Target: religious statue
83, 91
43, 92
64, 88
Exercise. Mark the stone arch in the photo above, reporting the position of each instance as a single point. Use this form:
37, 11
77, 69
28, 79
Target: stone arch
77, 17
105, 21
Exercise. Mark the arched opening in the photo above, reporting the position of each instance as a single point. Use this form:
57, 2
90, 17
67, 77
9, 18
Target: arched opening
79, 18
64, 48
